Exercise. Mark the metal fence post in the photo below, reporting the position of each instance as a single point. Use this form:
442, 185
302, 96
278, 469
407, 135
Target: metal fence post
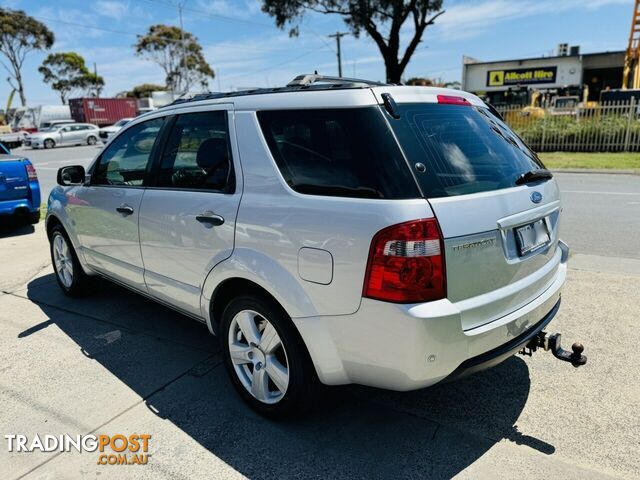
544, 129
630, 117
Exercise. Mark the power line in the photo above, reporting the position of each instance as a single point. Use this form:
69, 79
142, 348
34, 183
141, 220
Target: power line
211, 15
274, 65
227, 44
238, 20
81, 25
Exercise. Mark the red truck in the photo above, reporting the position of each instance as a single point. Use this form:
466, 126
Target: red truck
102, 111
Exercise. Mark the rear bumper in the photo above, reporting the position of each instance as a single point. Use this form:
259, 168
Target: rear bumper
407, 347
17, 207
501, 353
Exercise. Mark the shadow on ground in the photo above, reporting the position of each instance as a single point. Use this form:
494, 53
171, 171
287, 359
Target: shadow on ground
10, 227
356, 432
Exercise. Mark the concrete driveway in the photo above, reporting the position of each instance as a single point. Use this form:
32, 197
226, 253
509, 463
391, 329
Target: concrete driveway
116, 363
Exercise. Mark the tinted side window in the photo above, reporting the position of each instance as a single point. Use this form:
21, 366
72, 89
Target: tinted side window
198, 153
338, 152
124, 162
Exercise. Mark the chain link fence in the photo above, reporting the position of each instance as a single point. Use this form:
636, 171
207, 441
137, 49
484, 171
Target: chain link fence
606, 127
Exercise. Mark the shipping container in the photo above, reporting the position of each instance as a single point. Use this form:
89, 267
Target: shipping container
102, 111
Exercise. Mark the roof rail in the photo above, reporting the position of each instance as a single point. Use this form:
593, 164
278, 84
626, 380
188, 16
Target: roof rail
310, 79
299, 84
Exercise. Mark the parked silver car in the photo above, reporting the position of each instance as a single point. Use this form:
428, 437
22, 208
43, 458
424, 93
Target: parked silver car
64, 135
332, 231
108, 132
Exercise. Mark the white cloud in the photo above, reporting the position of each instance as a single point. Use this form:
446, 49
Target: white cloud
464, 20
112, 9
227, 8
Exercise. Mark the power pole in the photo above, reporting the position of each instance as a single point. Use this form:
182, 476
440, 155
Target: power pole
337, 36
184, 53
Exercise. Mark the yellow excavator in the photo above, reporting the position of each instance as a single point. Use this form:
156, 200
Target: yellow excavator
631, 72
533, 110
4, 120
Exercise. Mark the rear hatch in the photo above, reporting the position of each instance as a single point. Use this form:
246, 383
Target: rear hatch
14, 183
500, 238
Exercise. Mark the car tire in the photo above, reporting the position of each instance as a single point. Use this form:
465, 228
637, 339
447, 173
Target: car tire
272, 371
48, 143
91, 140
67, 269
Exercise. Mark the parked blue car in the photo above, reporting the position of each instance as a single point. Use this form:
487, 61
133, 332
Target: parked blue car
19, 188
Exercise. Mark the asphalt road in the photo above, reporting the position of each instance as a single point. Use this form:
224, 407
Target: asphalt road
601, 213
599, 209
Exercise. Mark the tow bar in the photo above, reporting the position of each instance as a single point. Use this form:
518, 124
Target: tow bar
552, 342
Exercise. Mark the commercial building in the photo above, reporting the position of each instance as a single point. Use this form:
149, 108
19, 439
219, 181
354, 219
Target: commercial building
569, 73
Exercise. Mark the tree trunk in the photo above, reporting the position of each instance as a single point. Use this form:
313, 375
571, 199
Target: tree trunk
394, 72
23, 98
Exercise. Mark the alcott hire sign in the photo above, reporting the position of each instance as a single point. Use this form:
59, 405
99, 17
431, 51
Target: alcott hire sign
521, 76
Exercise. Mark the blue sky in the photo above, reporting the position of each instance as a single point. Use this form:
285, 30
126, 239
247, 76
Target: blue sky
246, 49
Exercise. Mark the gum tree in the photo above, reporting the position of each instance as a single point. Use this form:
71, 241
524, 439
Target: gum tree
21, 34
67, 73
382, 20
178, 53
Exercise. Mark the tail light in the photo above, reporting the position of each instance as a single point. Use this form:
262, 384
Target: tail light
406, 263
31, 172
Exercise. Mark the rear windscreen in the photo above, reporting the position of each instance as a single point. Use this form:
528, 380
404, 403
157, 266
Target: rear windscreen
348, 152
465, 149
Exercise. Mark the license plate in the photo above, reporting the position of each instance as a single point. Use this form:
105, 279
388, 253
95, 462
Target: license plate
531, 237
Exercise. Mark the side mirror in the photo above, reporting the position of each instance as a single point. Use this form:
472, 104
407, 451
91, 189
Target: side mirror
71, 175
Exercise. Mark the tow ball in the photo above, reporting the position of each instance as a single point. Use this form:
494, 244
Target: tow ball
552, 342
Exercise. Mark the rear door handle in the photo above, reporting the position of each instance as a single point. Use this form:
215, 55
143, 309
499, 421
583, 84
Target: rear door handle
210, 218
125, 209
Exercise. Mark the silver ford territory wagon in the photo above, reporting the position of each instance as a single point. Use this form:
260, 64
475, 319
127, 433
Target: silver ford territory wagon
332, 231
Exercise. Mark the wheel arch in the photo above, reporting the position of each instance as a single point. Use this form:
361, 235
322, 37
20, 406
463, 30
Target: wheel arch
233, 287
54, 219
50, 223
255, 270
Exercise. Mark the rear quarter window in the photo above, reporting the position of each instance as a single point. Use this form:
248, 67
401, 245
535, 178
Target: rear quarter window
348, 152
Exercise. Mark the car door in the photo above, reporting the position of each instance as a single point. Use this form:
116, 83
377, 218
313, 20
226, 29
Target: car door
188, 213
106, 216
80, 134
65, 135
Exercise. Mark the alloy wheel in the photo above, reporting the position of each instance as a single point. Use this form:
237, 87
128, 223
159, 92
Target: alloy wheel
258, 356
63, 260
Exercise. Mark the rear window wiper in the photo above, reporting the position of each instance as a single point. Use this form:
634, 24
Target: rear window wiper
534, 176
